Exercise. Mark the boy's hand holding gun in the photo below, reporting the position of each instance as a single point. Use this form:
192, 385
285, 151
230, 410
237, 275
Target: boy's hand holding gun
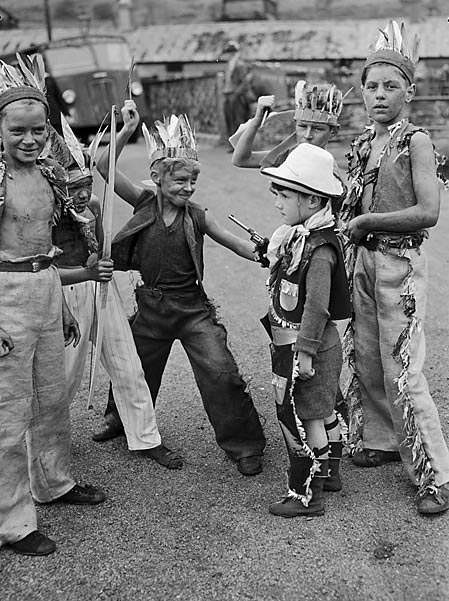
261, 243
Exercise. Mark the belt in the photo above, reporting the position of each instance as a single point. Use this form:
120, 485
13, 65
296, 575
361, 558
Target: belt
31, 266
383, 243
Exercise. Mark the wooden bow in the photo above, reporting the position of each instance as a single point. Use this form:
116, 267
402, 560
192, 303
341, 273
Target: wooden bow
102, 299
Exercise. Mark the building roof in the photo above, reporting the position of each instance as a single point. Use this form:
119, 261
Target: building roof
278, 40
260, 40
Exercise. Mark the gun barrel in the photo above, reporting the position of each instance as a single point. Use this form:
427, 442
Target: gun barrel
240, 224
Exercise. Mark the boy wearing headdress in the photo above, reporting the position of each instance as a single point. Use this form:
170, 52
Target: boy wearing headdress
317, 109
80, 267
164, 241
308, 291
34, 321
393, 198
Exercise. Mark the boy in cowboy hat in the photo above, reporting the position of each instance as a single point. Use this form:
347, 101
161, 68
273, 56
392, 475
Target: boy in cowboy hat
308, 291
317, 109
164, 241
393, 198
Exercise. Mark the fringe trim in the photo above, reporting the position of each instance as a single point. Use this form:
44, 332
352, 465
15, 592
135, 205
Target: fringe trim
420, 461
316, 466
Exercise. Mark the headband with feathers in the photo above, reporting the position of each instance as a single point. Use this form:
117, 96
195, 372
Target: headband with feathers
26, 80
172, 138
320, 102
394, 48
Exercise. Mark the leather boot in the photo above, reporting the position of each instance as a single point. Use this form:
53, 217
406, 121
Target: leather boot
333, 481
291, 507
113, 424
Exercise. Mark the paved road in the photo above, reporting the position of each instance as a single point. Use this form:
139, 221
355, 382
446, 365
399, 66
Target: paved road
204, 533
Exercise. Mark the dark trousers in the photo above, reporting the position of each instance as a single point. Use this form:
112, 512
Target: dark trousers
189, 318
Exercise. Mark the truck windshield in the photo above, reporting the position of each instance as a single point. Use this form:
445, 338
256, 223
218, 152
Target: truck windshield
70, 60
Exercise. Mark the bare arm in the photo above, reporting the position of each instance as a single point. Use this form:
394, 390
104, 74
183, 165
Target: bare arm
243, 248
123, 185
412, 219
99, 271
243, 155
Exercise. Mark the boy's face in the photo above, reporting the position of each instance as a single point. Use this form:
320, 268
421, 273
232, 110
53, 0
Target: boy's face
294, 207
80, 192
23, 128
179, 185
314, 133
385, 93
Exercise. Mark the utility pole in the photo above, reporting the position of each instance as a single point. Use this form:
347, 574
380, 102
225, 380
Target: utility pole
47, 18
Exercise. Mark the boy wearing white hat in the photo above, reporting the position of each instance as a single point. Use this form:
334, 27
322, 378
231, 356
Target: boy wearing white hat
308, 291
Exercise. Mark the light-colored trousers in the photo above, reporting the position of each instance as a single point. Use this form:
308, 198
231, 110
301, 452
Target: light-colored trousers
379, 320
119, 358
33, 404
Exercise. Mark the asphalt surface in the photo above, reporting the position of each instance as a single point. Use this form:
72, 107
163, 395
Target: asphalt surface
204, 533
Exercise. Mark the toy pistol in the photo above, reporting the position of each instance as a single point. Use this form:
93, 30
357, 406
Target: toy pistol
260, 242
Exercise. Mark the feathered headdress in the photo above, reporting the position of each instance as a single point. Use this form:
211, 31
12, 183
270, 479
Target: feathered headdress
394, 48
172, 138
26, 80
68, 151
320, 102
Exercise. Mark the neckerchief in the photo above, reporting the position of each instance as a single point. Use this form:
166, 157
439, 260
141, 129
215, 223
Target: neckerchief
291, 240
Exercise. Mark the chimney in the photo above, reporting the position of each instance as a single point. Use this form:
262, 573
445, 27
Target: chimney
125, 15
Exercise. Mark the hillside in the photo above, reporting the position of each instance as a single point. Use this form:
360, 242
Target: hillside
151, 12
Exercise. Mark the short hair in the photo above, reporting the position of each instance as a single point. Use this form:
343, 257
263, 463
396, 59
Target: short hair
169, 165
274, 187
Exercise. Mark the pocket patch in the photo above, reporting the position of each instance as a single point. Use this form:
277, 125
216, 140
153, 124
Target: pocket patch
288, 295
279, 386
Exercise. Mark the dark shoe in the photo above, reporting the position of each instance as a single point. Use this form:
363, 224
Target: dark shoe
333, 481
374, 458
34, 544
110, 430
293, 508
164, 457
82, 495
434, 500
250, 466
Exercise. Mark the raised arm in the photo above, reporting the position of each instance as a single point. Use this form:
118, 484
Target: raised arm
412, 219
243, 155
124, 187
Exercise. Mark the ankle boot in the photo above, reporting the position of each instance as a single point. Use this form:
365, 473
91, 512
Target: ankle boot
333, 481
292, 506
113, 425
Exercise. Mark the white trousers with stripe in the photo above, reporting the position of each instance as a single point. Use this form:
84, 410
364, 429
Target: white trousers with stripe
118, 357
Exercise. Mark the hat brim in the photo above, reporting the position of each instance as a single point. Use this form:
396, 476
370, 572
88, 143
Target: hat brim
273, 174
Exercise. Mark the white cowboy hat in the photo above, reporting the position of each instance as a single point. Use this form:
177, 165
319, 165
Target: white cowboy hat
308, 169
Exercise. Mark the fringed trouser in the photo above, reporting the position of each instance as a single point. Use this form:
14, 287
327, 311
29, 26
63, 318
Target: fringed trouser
389, 297
33, 405
186, 316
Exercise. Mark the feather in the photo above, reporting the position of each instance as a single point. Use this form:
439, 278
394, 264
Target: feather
172, 126
38, 69
150, 141
93, 147
130, 73
58, 148
73, 144
299, 88
28, 75
161, 129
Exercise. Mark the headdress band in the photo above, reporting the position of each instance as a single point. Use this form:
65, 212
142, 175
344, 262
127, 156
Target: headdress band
22, 93
391, 57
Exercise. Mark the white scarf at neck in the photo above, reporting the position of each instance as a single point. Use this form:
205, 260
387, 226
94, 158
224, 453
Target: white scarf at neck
293, 238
